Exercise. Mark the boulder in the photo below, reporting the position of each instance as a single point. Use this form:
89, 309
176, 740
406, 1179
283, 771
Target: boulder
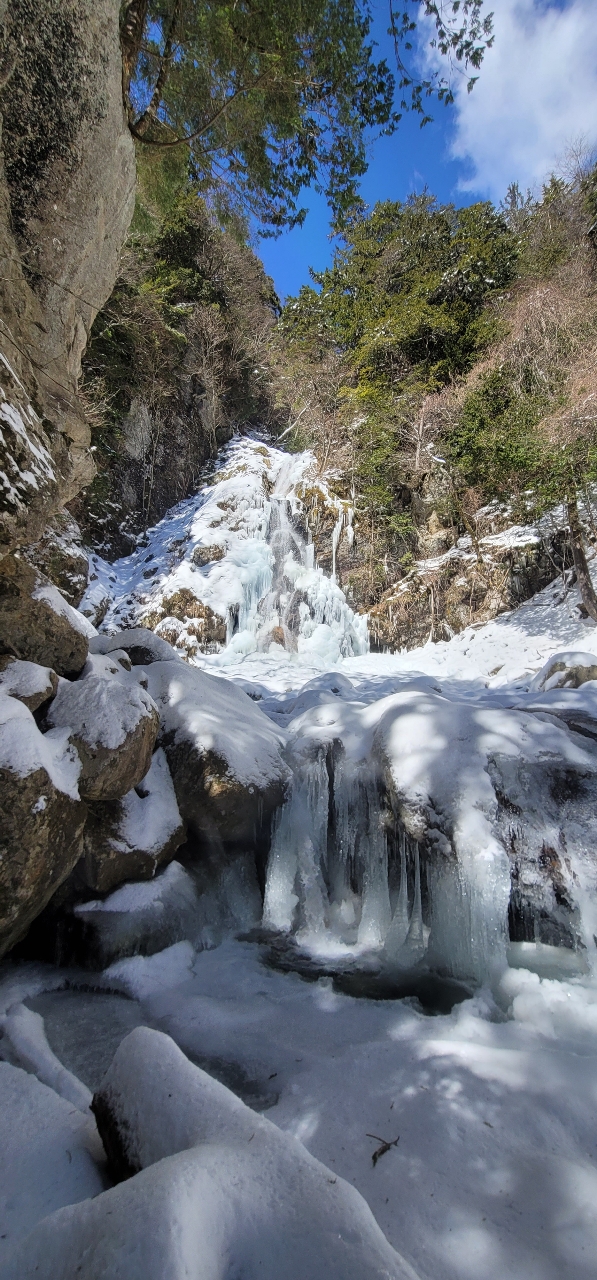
129, 839
52, 1150
141, 645
139, 918
41, 818
220, 1191
26, 681
217, 1191
224, 753
567, 670
36, 623
113, 728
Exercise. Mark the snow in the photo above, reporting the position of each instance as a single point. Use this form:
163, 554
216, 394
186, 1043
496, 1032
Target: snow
221, 1192
493, 1104
150, 813
100, 711
23, 749
214, 715
51, 1156
26, 679
24, 1039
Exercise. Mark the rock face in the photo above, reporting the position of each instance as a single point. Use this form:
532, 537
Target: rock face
41, 818
206, 627
129, 839
224, 754
59, 557
113, 729
36, 623
447, 591
66, 199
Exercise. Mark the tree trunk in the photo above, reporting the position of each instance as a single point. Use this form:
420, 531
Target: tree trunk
583, 577
131, 34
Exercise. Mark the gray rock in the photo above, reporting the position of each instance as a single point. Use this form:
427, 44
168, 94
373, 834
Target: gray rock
41, 818
136, 919
224, 754
113, 728
567, 670
36, 623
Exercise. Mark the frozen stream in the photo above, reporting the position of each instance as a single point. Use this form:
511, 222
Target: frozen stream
380, 992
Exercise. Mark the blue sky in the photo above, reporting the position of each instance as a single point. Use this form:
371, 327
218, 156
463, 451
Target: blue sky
536, 98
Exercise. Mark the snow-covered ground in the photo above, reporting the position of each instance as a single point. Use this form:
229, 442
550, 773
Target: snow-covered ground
488, 1113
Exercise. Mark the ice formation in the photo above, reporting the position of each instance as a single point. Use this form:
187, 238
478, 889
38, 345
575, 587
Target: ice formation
240, 548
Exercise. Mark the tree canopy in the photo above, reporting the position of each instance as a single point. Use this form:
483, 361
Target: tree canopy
272, 96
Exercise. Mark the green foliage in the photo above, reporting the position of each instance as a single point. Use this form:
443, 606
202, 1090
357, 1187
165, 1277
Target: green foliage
405, 303
273, 98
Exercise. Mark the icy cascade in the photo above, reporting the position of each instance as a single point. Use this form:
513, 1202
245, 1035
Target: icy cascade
347, 880
342, 876
240, 549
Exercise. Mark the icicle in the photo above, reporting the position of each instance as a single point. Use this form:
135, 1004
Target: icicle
336, 535
396, 936
376, 912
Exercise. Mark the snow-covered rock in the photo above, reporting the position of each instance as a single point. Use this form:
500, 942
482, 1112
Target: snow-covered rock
221, 1191
27, 681
567, 670
41, 817
129, 839
24, 1043
142, 646
224, 753
113, 728
51, 1156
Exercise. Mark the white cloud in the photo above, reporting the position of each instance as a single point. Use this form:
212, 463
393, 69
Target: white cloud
535, 96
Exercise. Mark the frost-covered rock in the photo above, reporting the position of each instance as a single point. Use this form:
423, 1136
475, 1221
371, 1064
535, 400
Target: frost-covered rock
141, 645
51, 1155
139, 918
58, 555
224, 753
37, 624
27, 681
113, 727
221, 1191
129, 839
94, 604
567, 670
41, 817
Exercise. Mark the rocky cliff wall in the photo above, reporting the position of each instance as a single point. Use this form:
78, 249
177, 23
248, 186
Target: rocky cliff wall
66, 199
